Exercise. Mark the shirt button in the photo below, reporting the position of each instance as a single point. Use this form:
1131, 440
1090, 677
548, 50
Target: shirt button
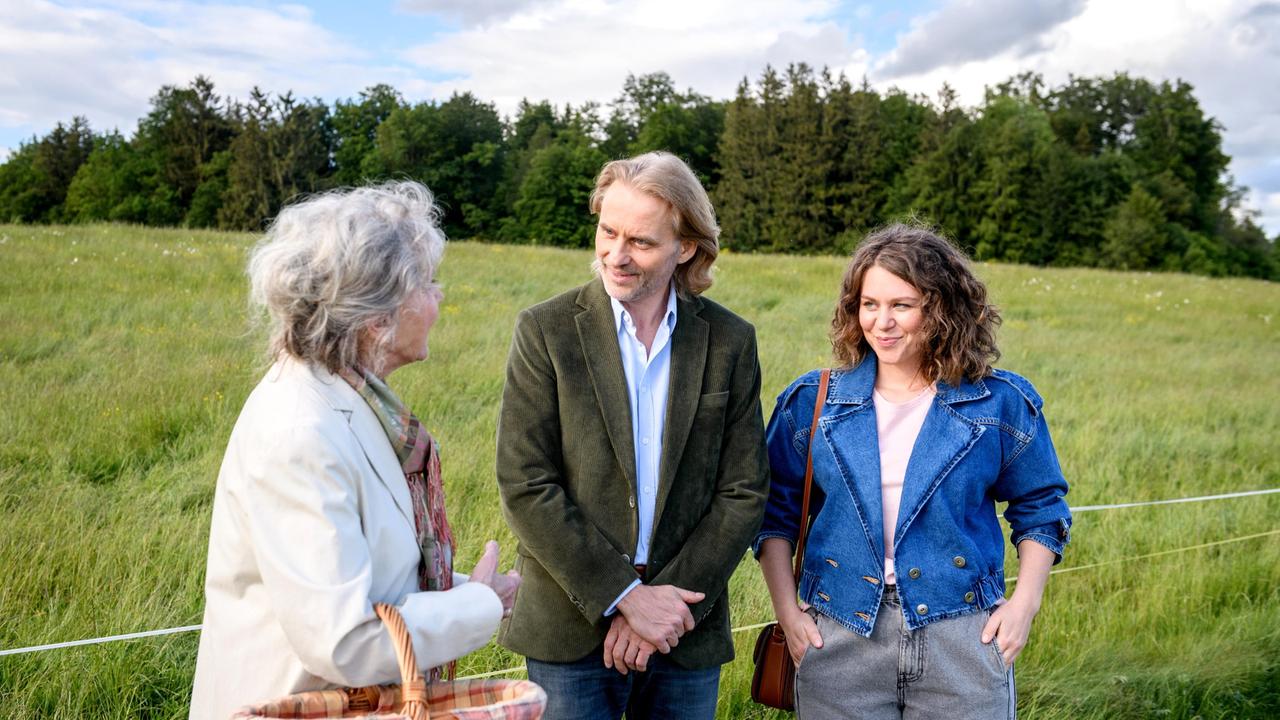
649, 489
922, 609
968, 597
644, 441
958, 560
914, 573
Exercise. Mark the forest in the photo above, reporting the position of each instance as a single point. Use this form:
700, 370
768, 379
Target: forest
1114, 172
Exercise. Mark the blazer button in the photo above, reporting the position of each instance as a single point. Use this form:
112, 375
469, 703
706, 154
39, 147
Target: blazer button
968, 597
922, 609
958, 560
631, 502
914, 573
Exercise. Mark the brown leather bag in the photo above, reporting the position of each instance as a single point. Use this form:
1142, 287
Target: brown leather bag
774, 681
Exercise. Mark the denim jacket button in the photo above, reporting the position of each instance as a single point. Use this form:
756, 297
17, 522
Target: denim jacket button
922, 609
969, 597
958, 560
914, 573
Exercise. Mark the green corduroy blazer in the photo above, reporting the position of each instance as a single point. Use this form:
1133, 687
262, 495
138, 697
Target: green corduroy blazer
566, 473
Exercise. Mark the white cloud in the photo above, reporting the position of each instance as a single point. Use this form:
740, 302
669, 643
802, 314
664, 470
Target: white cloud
966, 30
1268, 205
471, 12
580, 50
106, 63
1229, 50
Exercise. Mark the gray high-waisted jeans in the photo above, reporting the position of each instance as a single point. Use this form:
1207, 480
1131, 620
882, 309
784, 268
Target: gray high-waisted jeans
941, 670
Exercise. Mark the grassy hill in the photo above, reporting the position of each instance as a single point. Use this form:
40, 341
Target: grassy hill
125, 355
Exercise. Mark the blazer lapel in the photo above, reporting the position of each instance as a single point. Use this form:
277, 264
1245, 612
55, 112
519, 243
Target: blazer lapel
684, 390
598, 334
364, 425
377, 450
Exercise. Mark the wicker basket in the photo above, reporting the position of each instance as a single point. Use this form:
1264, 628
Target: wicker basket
414, 699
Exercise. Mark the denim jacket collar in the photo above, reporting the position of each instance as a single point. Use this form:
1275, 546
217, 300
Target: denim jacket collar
854, 386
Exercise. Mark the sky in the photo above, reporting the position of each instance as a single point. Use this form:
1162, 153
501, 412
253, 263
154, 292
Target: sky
105, 59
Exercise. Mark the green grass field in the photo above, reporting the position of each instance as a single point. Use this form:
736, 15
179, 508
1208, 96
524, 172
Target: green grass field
125, 354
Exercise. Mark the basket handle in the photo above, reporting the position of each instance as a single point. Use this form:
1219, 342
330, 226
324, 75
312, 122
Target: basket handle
413, 688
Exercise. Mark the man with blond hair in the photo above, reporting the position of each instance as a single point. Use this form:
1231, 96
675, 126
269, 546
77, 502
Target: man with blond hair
630, 460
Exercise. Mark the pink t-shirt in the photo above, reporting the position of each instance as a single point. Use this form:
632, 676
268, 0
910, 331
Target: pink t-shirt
898, 425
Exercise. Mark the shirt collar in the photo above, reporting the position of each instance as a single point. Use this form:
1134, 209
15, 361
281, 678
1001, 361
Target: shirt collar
622, 319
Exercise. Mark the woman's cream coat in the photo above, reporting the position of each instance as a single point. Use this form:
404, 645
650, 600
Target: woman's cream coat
311, 525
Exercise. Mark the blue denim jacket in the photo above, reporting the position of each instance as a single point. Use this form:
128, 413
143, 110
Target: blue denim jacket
981, 443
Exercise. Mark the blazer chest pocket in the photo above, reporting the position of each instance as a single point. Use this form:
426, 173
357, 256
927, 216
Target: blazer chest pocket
708, 427
711, 407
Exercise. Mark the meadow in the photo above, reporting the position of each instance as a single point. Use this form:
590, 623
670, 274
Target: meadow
126, 353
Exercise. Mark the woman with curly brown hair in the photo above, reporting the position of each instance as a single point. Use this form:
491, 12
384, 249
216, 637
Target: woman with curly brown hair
901, 608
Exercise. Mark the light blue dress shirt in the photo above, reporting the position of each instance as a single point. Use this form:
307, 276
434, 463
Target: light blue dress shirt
648, 374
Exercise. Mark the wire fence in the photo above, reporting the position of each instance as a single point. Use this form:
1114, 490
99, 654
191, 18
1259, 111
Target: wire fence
745, 628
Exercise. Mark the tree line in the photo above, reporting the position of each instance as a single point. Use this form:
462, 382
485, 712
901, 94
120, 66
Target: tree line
1115, 172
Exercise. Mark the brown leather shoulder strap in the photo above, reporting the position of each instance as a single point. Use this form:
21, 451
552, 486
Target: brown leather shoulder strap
808, 472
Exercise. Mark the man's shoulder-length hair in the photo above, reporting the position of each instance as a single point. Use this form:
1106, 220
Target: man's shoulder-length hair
668, 178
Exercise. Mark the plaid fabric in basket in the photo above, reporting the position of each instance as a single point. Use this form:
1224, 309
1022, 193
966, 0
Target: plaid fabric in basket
457, 700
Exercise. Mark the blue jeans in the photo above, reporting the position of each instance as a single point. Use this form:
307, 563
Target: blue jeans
587, 690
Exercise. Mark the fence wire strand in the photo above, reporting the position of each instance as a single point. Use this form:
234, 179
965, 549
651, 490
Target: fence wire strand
1084, 508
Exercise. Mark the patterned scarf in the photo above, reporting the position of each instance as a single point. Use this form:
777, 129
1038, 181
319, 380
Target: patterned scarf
420, 460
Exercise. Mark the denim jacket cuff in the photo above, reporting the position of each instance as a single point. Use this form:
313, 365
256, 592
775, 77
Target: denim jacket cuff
755, 545
1054, 535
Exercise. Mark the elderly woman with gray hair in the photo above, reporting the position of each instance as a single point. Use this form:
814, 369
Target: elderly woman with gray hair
330, 498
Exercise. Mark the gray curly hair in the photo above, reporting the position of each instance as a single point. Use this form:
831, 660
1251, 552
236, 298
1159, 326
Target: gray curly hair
334, 270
